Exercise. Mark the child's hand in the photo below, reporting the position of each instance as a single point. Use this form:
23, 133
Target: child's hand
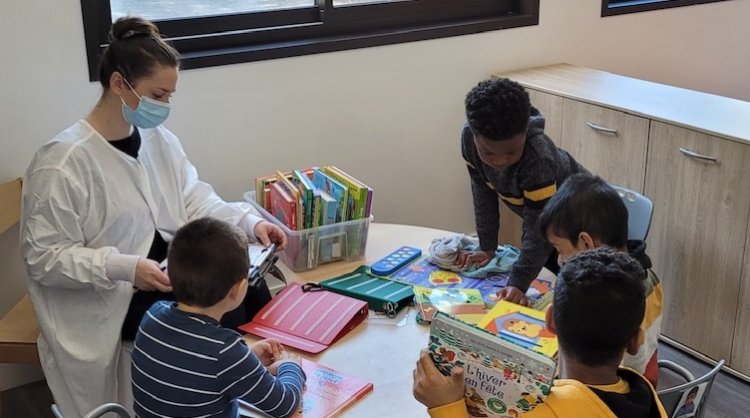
284, 357
513, 294
432, 388
476, 258
268, 350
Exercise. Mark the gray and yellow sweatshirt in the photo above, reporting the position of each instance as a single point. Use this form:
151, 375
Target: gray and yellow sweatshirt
525, 188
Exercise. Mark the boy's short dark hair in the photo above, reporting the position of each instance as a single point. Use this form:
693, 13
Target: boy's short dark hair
206, 258
599, 303
586, 203
498, 109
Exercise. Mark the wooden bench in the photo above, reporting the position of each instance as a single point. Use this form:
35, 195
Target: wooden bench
19, 328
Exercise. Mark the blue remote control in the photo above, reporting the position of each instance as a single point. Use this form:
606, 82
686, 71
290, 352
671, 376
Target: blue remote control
395, 261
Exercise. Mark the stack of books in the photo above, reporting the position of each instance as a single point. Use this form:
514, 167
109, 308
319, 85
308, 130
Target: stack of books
313, 197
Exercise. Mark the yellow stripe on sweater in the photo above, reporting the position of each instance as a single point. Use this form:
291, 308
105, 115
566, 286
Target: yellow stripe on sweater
540, 194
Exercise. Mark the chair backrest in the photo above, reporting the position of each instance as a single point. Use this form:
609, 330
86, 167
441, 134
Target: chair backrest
10, 204
98, 411
640, 210
673, 399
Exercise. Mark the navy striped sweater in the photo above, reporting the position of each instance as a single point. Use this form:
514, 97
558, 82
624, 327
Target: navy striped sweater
187, 365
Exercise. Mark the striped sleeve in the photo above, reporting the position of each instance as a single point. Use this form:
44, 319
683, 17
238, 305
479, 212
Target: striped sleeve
245, 377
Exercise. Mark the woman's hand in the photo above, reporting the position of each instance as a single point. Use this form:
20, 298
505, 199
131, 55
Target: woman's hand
149, 276
268, 233
476, 258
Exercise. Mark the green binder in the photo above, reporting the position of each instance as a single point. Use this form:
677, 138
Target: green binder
381, 294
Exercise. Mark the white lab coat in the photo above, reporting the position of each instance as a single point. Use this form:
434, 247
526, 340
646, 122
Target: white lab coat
89, 213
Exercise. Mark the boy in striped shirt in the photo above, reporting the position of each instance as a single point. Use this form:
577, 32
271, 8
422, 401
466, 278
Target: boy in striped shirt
184, 363
510, 158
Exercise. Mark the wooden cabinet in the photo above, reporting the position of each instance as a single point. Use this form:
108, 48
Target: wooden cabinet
551, 107
698, 233
608, 143
740, 359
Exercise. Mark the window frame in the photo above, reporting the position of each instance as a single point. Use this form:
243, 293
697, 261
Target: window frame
230, 39
619, 7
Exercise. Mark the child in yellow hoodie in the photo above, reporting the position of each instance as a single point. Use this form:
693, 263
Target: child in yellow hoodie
597, 311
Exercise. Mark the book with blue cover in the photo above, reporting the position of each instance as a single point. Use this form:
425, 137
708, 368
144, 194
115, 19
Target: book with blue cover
334, 188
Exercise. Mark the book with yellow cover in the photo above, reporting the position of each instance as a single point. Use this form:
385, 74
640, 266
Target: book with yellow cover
520, 325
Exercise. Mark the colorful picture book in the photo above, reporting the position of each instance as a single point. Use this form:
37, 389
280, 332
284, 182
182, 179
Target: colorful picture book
284, 206
465, 304
424, 273
308, 321
520, 325
360, 195
503, 379
335, 189
327, 393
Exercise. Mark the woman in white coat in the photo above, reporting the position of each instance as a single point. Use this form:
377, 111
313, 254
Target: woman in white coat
100, 202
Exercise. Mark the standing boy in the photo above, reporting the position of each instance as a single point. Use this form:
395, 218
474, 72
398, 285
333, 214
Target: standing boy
587, 213
510, 158
184, 362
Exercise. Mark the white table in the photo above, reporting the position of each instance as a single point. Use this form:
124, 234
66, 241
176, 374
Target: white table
383, 354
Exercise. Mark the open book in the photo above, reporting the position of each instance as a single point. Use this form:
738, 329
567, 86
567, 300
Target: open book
327, 393
503, 379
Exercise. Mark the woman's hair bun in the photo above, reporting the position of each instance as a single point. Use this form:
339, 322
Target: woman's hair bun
132, 27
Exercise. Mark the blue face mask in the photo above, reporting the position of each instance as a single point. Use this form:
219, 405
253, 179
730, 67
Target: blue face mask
149, 113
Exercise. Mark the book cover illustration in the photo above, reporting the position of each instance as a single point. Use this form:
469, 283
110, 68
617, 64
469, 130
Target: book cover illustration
308, 321
503, 380
283, 206
520, 325
326, 394
424, 273
334, 188
465, 304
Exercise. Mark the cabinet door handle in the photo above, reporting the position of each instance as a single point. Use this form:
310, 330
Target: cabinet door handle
601, 129
692, 154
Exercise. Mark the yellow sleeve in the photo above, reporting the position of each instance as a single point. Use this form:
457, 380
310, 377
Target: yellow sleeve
452, 410
541, 411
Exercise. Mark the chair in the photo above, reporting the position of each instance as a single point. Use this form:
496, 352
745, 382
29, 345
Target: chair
671, 397
640, 210
98, 411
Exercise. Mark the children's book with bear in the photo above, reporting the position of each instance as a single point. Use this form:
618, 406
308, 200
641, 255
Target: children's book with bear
503, 379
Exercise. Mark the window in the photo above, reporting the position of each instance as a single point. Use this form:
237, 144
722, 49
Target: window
209, 32
618, 7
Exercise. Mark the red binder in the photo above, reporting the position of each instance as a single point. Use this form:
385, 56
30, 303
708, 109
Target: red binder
309, 321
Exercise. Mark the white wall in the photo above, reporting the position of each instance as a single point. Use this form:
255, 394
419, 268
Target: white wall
389, 115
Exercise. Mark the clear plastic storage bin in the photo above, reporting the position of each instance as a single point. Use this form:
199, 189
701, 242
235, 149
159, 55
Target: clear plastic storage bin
307, 248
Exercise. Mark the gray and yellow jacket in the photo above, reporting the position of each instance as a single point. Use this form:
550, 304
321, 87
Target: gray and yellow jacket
525, 188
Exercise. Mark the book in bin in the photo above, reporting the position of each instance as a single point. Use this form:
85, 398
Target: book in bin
326, 394
503, 379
